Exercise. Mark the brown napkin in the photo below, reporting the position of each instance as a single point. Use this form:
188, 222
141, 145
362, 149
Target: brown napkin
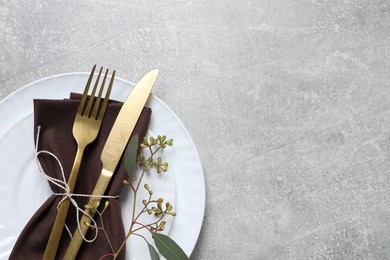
56, 119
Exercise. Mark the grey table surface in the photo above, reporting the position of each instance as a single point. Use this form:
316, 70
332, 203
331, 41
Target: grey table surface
287, 101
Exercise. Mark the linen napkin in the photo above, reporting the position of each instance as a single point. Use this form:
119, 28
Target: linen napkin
55, 118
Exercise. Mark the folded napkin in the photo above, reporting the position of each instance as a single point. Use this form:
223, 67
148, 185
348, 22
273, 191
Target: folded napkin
56, 117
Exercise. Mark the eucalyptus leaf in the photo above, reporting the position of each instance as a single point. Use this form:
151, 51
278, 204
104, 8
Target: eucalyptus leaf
168, 248
153, 252
131, 156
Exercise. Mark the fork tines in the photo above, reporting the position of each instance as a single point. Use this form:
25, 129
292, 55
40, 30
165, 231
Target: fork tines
85, 109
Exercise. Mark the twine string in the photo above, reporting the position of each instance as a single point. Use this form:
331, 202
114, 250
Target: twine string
63, 185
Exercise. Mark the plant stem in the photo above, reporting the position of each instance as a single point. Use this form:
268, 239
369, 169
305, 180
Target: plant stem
143, 171
105, 233
134, 203
124, 242
150, 224
142, 211
155, 151
139, 181
136, 189
107, 255
135, 234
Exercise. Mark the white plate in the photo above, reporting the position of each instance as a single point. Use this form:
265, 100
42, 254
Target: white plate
22, 188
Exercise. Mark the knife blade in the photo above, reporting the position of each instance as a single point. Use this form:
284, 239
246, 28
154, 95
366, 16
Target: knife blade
113, 149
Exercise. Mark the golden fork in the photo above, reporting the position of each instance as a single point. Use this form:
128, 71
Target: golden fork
86, 127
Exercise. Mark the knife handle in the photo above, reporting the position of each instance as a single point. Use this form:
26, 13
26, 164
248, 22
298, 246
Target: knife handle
59, 222
77, 239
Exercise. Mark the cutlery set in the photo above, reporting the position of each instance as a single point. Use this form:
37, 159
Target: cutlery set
86, 127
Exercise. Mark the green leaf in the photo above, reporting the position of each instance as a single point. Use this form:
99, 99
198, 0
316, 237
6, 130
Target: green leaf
153, 252
168, 248
131, 156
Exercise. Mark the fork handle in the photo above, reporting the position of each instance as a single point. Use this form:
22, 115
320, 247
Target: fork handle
59, 222
77, 239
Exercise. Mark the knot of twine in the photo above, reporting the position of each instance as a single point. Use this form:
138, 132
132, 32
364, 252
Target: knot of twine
62, 184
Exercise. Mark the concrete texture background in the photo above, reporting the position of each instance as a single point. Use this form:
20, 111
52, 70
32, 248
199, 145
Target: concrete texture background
288, 103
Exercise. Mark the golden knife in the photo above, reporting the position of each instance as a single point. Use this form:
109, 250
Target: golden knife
116, 142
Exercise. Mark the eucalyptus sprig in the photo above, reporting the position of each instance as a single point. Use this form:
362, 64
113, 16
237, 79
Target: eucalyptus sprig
154, 145
157, 207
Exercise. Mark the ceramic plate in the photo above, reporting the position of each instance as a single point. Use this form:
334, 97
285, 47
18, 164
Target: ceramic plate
23, 189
